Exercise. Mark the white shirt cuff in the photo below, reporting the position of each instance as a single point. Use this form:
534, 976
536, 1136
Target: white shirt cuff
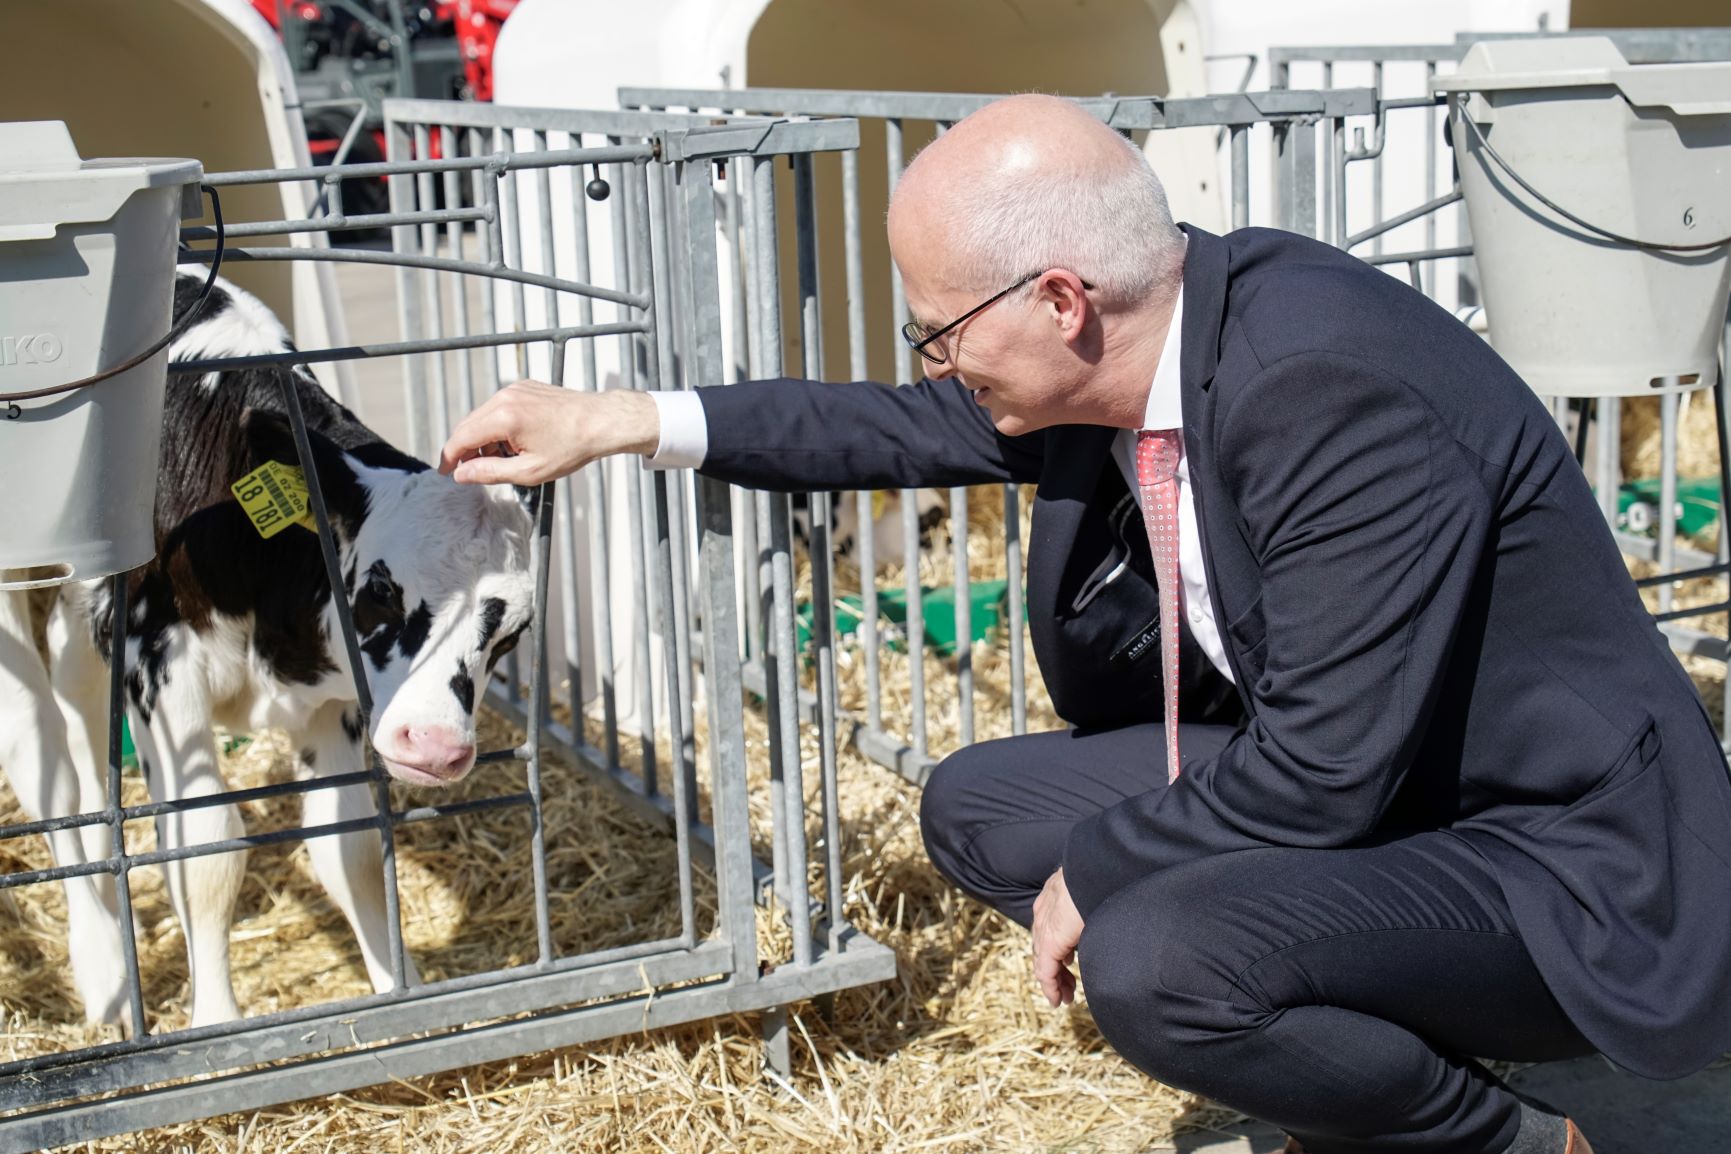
684, 432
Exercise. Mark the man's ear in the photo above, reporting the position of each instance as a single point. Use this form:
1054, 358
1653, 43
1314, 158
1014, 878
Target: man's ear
268, 436
1066, 298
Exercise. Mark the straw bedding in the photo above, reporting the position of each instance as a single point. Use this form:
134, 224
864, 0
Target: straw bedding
958, 1052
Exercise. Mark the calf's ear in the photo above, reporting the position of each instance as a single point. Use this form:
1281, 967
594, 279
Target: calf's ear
268, 436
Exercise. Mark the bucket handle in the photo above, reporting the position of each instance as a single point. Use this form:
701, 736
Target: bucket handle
1605, 233
12, 412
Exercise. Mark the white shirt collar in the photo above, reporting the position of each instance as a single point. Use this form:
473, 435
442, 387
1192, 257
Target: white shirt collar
1165, 398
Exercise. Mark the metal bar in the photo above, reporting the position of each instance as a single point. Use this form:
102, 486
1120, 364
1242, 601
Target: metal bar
1717, 569
183, 805
488, 250
682, 523
1013, 570
440, 401
733, 874
629, 266
1693, 611
399, 348
964, 616
1130, 113
668, 546
822, 584
748, 513
1410, 257
783, 652
916, 617
459, 293
1376, 168
516, 276
361, 1021
864, 962
118, 618
404, 242
1241, 177
628, 787
1609, 451
1427, 210
1430, 179
540, 562
508, 160
363, 693
1668, 404
1722, 433
866, 533
1333, 168
336, 223
875, 745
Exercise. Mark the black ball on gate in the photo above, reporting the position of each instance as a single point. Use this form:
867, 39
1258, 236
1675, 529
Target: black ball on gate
597, 189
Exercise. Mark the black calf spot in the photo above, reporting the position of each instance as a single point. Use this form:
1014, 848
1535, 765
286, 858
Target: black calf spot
506, 644
492, 616
309, 757
149, 673
463, 686
379, 616
352, 725
415, 630
930, 520
378, 646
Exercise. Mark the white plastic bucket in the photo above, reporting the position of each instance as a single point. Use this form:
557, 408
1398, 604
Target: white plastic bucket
87, 258
1641, 152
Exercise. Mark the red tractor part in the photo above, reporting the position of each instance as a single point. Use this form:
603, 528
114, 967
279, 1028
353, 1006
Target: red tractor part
478, 23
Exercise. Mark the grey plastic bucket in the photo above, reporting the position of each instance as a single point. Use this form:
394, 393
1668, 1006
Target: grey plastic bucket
1640, 151
87, 259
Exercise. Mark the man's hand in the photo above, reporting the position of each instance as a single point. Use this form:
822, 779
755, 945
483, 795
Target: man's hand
529, 433
1057, 929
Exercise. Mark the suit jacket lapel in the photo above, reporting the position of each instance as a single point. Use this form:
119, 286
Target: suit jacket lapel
1227, 560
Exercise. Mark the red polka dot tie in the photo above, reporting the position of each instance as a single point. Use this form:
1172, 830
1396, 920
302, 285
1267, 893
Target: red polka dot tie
1157, 453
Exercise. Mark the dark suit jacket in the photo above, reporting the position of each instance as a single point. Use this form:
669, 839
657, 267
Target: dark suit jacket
1429, 623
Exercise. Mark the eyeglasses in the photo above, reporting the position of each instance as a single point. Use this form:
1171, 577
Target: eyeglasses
919, 336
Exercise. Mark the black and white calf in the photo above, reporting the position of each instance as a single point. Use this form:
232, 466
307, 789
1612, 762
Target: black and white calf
888, 543
229, 628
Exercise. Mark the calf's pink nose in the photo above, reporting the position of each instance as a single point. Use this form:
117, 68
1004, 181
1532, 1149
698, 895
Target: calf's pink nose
437, 749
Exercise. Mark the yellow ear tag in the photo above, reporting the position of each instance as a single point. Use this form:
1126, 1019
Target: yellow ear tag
880, 500
274, 496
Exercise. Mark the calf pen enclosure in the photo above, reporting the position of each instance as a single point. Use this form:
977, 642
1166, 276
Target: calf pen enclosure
684, 275
654, 177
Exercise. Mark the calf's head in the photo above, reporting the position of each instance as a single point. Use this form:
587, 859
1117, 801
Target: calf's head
437, 580
440, 591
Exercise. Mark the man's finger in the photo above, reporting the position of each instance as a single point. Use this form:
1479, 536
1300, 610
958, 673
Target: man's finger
485, 426
497, 471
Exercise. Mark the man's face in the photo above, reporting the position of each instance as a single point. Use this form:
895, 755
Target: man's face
1011, 355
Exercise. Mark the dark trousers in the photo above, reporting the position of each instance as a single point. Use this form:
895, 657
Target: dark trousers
1336, 994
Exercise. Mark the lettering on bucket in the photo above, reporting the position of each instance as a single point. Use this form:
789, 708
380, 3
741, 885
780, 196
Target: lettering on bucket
31, 349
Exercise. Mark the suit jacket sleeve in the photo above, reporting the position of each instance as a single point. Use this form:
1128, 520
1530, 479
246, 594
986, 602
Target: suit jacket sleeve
1368, 523
796, 435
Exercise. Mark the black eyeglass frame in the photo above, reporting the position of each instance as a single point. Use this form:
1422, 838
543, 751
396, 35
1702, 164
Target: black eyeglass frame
911, 330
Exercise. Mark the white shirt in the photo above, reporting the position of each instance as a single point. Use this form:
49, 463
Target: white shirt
1166, 411
685, 443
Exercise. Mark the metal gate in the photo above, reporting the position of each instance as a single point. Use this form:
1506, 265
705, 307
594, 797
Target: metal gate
1292, 122
660, 173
